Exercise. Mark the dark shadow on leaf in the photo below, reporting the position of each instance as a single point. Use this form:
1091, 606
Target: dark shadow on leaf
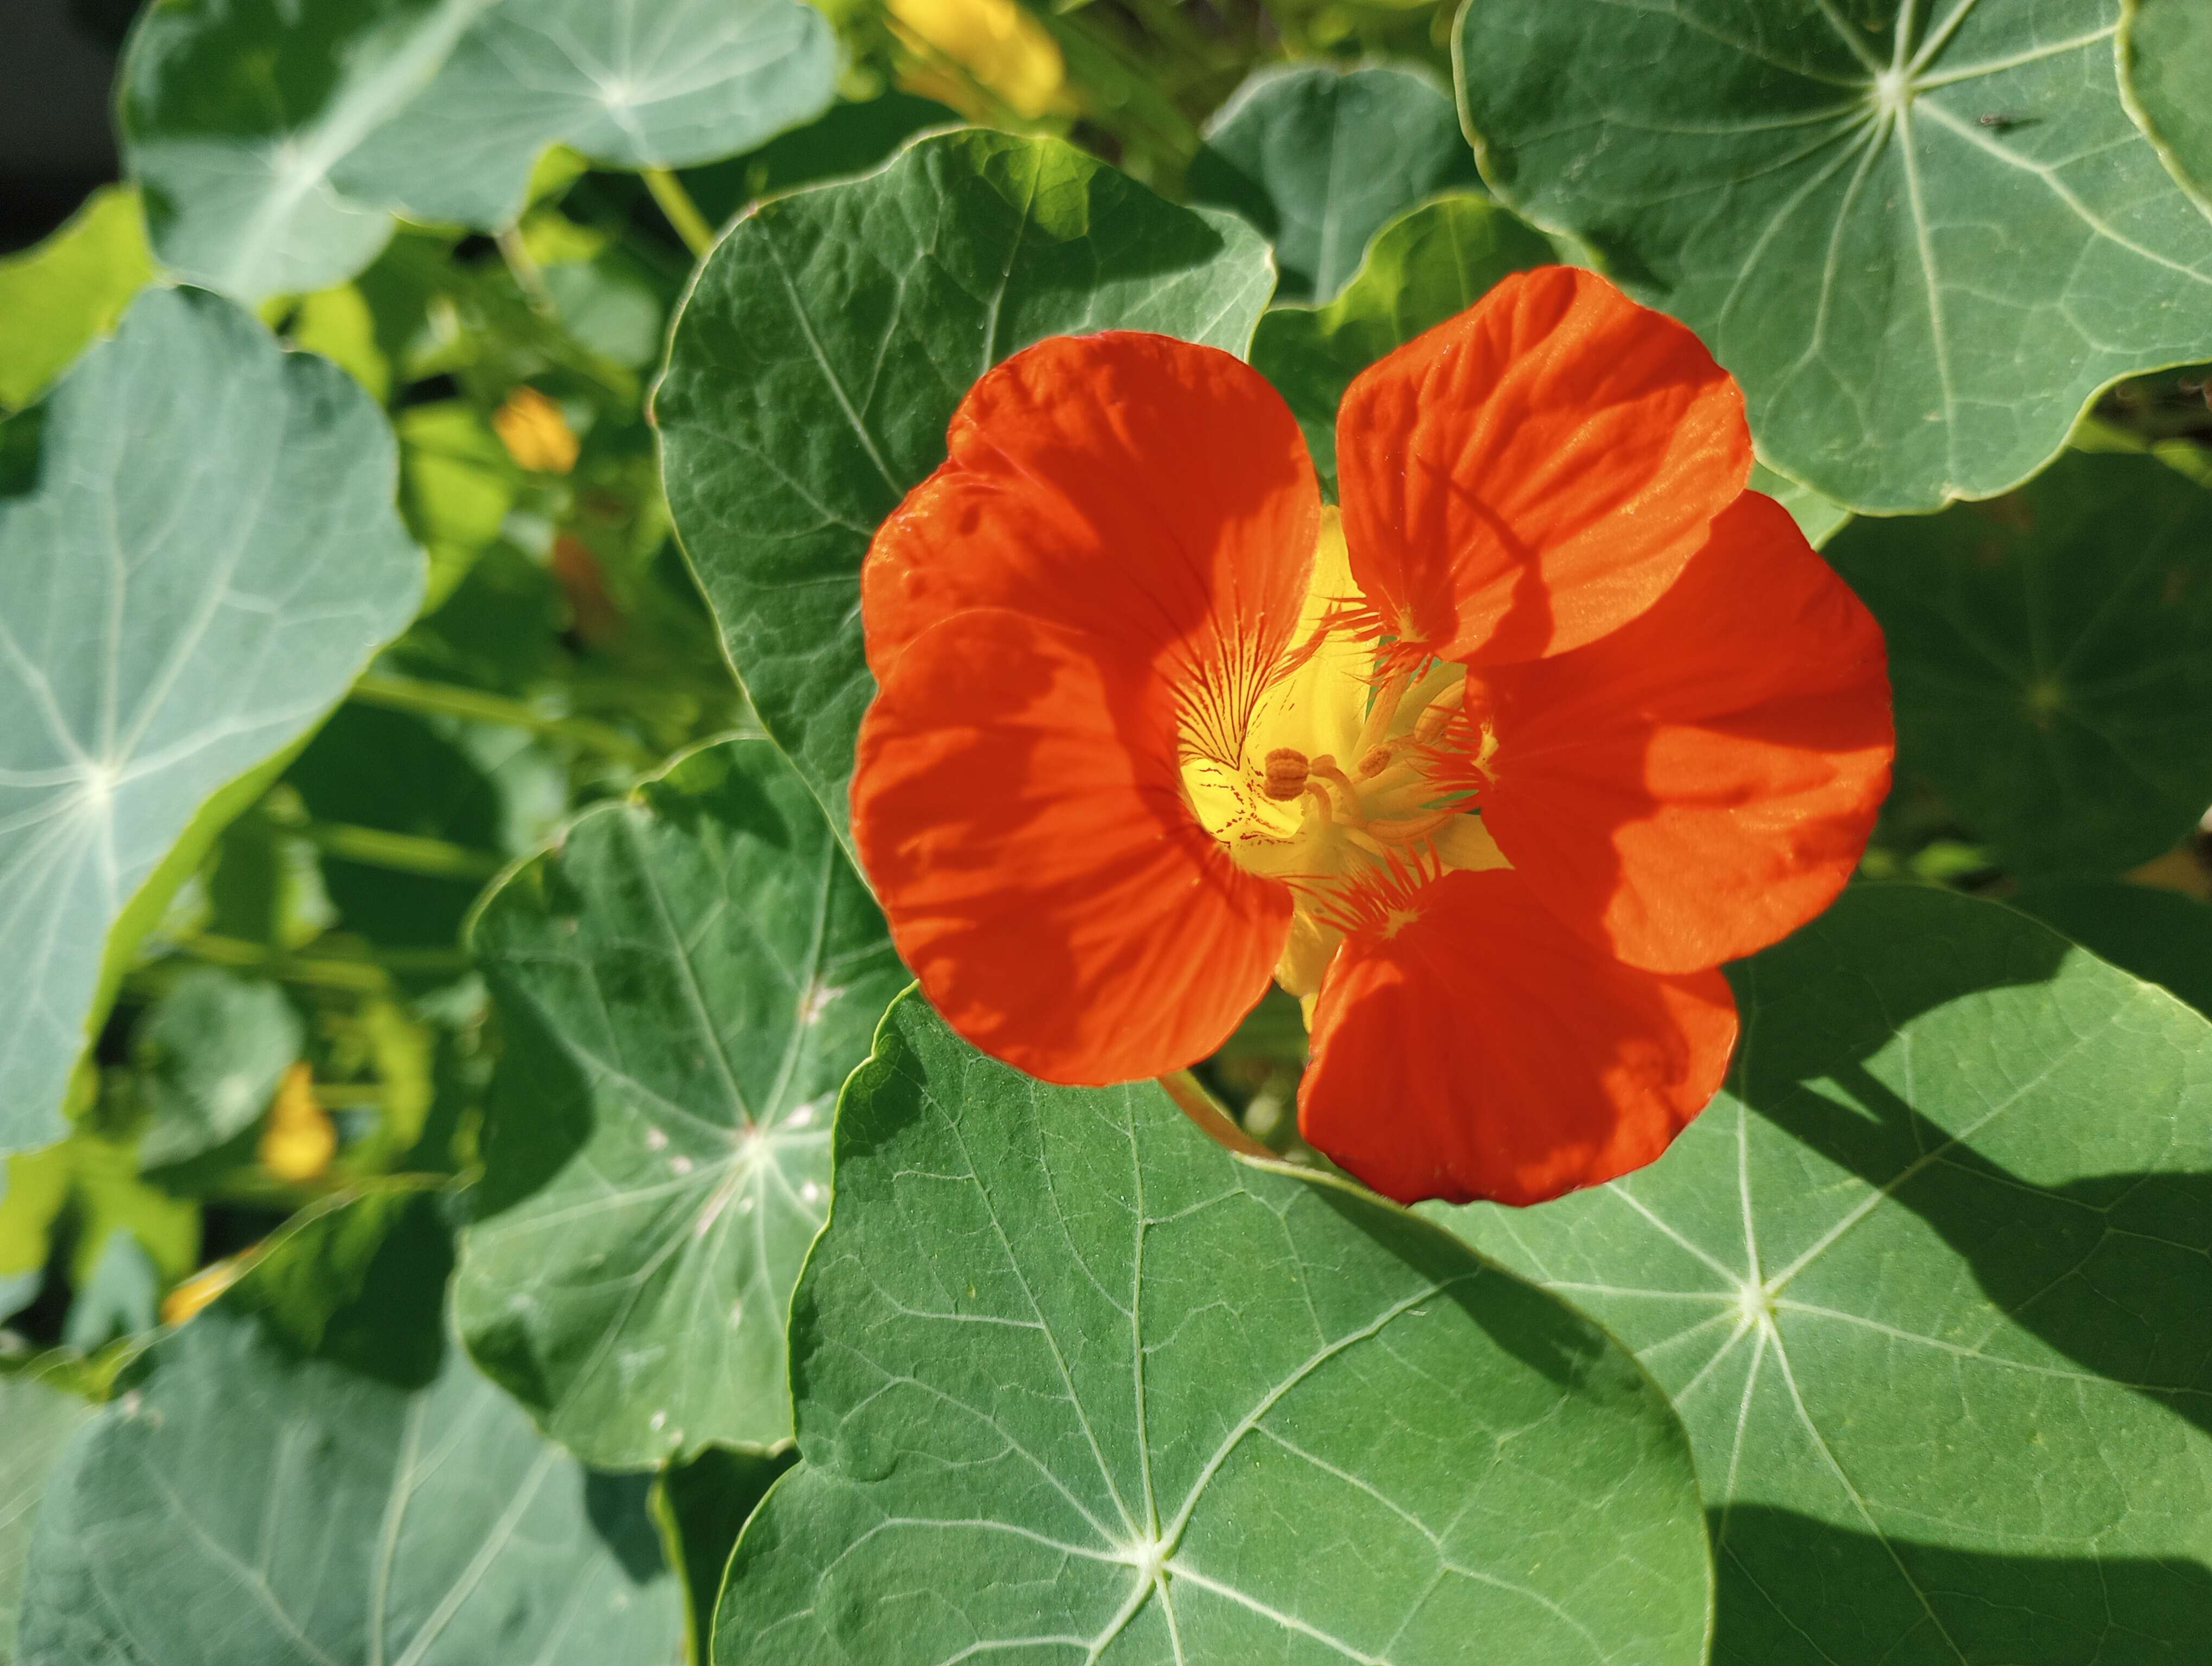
614, 1505
1794, 1591
2114, 1271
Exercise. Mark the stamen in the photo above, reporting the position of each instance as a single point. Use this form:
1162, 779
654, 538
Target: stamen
1287, 770
1320, 795
1380, 715
1404, 830
1325, 767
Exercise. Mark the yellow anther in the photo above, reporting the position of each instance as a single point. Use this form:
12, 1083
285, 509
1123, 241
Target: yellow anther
1286, 773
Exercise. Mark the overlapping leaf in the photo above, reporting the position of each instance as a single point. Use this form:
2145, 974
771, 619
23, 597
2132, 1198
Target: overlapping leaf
274, 141
200, 552
1922, 236
1321, 159
1928, 1286
822, 351
57, 296
310, 1471
2166, 62
1075, 1383
2051, 655
36, 1420
2161, 936
212, 1050
687, 979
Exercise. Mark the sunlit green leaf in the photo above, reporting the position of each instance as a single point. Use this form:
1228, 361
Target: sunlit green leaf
309, 1471
1928, 1286
2165, 64
823, 349
2051, 655
1075, 1383
36, 1421
1319, 159
205, 556
74, 286
211, 1051
687, 978
1920, 236
273, 140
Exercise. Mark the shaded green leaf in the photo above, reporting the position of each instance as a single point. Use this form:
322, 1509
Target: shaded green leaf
824, 345
846, 139
687, 978
701, 1506
1927, 1284
1922, 236
1420, 269
308, 1471
274, 141
1321, 159
207, 556
74, 286
211, 1052
1075, 1383
2051, 655
2161, 936
36, 1421
2165, 64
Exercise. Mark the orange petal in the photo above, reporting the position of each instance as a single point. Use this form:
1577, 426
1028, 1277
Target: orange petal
1017, 803
1703, 780
1533, 473
1144, 490
1485, 1051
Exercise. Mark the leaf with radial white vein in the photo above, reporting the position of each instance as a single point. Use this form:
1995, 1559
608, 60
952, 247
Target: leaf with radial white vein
310, 1472
2051, 655
1920, 236
1928, 1285
2166, 69
272, 140
1319, 159
202, 551
1074, 1383
687, 977
824, 347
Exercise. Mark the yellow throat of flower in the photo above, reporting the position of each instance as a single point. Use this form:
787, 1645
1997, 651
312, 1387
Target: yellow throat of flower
1344, 778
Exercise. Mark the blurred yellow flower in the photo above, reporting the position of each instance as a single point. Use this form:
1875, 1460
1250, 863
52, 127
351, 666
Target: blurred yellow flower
1001, 47
535, 433
298, 1140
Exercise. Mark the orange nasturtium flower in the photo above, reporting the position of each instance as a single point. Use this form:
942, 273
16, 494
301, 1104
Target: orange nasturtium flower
1492, 769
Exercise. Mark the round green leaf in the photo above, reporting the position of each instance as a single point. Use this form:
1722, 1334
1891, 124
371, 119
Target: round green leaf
36, 1420
658, 84
2165, 65
1075, 1383
2161, 936
1923, 237
686, 979
1420, 269
309, 1472
200, 553
273, 141
1929, 1285
2051, 655
1319, 159
212, 1051
824, 345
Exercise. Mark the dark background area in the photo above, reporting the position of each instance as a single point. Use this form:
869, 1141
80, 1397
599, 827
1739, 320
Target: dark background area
57, 137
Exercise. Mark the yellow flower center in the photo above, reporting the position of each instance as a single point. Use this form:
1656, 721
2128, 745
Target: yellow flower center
1345, 778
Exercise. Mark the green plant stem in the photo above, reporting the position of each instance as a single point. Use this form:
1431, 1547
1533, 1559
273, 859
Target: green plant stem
409, 694
528, 276
365, 975
402, 852
682, 213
